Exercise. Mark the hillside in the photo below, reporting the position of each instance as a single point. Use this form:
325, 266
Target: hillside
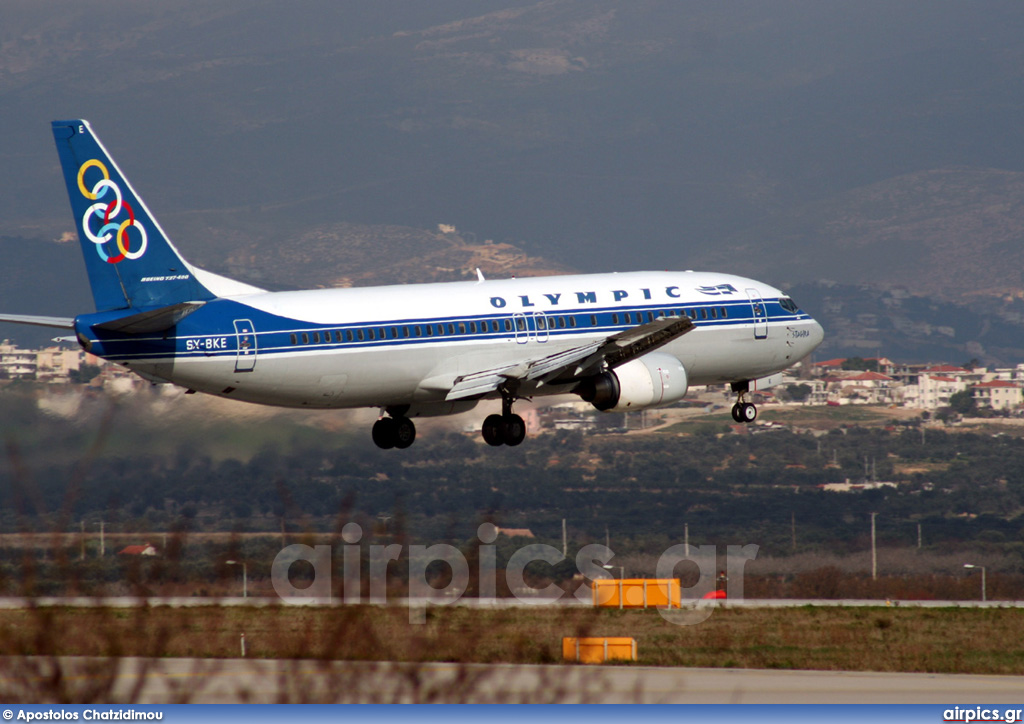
872, 143
866, 321
955, 233
597, 134
345, 255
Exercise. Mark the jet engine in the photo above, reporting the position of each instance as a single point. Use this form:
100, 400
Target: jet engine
653, 380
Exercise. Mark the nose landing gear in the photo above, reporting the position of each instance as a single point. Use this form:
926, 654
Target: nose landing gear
743, 411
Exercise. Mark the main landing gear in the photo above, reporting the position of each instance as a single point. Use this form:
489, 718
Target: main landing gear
389, 432
742, 411
506, 428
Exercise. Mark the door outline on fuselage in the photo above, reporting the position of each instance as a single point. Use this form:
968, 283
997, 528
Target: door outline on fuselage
521, 328
245, 335
760, 315
540, 326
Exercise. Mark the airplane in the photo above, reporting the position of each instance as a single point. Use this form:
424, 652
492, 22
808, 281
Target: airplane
620, 341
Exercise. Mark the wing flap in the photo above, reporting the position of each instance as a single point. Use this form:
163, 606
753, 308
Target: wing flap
576, 362
474, 385
637, 341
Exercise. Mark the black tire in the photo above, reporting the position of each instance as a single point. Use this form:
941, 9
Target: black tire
515, 430
749, 412
494, 430
405, 433
385, 434
736, 414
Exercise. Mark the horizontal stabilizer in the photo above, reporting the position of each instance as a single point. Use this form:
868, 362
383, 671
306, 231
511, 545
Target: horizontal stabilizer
59, 322
155, 320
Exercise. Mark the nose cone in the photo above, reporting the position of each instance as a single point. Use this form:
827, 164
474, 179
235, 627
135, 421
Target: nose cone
816, 337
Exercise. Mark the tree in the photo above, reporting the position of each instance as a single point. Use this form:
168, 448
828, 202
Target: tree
860, 364
85, 373
798, 393
963, 403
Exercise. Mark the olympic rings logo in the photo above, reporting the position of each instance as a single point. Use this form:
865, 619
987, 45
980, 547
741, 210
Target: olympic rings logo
107, 212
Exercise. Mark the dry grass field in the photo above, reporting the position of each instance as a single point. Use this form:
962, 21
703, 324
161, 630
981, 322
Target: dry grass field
948, 640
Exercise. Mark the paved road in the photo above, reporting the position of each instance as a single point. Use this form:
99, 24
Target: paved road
267, 681
194, 601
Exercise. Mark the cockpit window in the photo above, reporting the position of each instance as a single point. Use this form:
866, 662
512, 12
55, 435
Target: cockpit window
789, 305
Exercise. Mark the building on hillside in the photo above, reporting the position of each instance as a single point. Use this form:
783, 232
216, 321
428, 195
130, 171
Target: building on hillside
828, 366
819, 393
52, 364
55, 364
147, 549
573, 423
833, 366
953, 371
868, 388
849, 487
998, 395
932, 391
516, 532
16, 363
909, 374
1008, 374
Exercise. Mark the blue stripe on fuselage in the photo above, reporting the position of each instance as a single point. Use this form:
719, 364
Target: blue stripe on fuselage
192, 337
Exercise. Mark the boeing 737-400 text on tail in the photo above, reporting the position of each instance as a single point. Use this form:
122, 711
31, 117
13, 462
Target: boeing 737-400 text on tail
622, 342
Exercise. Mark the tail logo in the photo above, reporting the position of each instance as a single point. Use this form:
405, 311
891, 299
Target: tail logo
107, 212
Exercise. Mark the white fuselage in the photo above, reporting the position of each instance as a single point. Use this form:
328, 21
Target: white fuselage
313, 348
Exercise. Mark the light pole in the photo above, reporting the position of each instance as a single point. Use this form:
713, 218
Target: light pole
245, 577
984, 595
622, 570
622, 575
874, 550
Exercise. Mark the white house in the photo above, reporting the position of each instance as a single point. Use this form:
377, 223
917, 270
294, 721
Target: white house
998, 394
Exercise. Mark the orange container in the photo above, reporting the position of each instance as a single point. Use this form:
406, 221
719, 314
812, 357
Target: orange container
636, 592
597, 650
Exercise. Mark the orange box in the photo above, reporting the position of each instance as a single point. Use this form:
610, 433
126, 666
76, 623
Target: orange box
597, 650
636, 592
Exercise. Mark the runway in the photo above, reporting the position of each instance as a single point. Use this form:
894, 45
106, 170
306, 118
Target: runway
183, 680
161, 681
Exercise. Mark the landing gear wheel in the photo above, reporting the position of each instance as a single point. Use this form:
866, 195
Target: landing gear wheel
506, 428
737, 414
494, 430
385, 433
748, 411
515, 430
405, 432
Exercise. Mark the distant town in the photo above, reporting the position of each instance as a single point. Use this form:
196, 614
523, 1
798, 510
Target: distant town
930, 387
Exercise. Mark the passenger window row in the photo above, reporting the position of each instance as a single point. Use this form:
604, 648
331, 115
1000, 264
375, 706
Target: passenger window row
541, 322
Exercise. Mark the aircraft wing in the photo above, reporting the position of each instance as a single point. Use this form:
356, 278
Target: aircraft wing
577, 362
60, 322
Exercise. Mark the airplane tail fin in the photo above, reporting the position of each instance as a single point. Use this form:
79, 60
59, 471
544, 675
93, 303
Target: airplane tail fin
130, 261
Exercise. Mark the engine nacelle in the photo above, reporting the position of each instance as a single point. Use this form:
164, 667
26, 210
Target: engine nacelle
653, 380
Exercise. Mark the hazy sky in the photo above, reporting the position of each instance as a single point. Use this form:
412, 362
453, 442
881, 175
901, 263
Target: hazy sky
606, 135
